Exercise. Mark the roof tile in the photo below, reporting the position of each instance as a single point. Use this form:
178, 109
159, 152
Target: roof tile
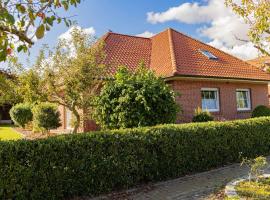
171, 53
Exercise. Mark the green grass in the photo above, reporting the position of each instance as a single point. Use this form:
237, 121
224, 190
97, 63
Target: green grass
8, 133
254, 190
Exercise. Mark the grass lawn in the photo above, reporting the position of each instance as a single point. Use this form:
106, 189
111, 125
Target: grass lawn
7, 133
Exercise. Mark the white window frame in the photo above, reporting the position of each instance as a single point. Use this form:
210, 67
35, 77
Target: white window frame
217, 92
249, 99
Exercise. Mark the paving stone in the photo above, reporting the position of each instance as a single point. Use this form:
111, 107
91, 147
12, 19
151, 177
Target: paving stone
193, 187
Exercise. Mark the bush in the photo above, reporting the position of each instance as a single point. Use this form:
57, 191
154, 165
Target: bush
99, 162
202, 116
260, 111
21, 114
46, 116
135, 100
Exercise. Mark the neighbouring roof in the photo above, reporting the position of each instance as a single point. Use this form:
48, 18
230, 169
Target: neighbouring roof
261, 62
171, 53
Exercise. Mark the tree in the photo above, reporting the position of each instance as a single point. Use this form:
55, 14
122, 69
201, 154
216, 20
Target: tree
24, 87
21, 21
8, 93
135, 100
257, 14
71, 75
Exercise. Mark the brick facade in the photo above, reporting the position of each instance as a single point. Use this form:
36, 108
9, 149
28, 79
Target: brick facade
190, 97
86, 125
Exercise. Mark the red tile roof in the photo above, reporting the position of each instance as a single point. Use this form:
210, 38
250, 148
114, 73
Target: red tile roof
171, 53
261, 62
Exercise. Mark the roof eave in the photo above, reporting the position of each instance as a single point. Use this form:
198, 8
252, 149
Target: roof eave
176, 76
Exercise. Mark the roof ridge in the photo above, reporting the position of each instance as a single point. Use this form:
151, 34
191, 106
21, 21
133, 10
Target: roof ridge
172, 52
185, 35
134, 36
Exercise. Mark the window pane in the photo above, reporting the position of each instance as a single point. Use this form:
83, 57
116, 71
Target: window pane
242, 99
209, 100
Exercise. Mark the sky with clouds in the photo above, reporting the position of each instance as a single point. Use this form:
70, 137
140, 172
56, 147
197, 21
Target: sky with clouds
207, 20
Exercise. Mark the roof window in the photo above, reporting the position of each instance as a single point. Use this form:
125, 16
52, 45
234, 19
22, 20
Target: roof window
208, 54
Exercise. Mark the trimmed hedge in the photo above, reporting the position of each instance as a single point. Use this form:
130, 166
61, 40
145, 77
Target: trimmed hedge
21, 114
99, 162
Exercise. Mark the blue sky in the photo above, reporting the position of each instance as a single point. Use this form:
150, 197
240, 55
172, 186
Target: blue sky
206, 20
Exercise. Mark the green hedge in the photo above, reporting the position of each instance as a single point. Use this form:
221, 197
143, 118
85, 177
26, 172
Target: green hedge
99, 162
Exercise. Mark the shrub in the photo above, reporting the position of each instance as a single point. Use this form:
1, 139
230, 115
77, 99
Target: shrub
46, 116
202, 116
260, 111
99, 162
135, 100
21, 114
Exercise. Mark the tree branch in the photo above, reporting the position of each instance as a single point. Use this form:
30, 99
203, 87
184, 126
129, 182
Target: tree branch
20, 34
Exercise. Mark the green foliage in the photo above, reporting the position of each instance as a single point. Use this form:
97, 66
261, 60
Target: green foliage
8, 94
257, 15
135, 100
71, 77
202, 116
256, 166
46, 116
99, 162
66, 75
21, 114
261, 111
29, 86
22, 20
254, 189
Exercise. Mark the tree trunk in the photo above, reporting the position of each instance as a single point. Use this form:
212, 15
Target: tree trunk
78, 120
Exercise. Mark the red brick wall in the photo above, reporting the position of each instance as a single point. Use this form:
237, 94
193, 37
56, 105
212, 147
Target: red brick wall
190, 97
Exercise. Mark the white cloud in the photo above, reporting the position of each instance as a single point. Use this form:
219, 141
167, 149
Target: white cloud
218, 22
188, 13
244, 51
67, 34
146, 34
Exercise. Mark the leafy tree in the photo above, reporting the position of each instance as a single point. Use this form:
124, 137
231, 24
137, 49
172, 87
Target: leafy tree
46, 116
135, 100
8, 94
68, 76
30, 87
257, 15
24, 87
21, 21
71, 74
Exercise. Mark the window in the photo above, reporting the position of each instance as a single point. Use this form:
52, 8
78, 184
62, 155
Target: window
210, 99
243, 99
208, 54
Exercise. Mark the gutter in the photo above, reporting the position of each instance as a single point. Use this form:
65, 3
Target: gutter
214, 78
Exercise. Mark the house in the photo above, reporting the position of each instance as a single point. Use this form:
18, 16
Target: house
204, 76
261, 62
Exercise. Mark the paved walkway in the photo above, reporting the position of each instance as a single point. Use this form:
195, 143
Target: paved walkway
193, 187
